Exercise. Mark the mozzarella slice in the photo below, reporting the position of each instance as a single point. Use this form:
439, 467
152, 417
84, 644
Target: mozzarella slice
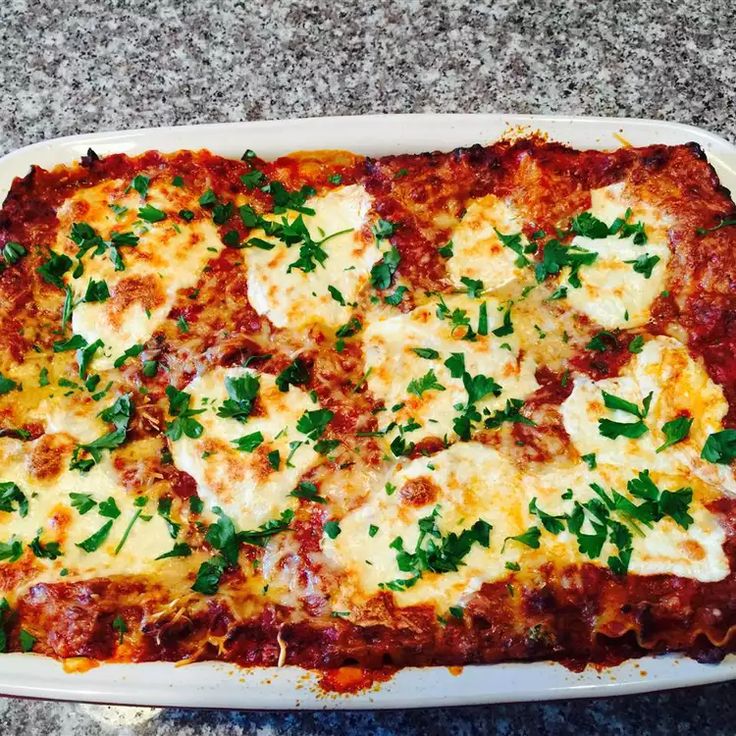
169, 256
611, 292
40, 468
295, 298
679, 386
467, 482
478, 253
665, 549
244, 484
391, 363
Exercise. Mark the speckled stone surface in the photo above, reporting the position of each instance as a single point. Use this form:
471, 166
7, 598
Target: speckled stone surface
69, 68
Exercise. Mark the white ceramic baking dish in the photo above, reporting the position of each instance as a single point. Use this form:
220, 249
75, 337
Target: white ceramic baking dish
217, 685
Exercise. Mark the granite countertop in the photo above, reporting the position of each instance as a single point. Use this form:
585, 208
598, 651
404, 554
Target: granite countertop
69, 68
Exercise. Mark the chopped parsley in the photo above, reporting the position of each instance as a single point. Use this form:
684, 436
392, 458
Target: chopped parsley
94, 541
118, 414
97, 291
13, 252
636, 345
383, 272
119, 626
131, 352
427, 382
313, 423
434, 551
295, 374
724, 222
447, 250
384, 229
510, 413
644, 264
474, 286
11, 494
54, 268
249, 442
48, 551
183, 422
82, 502
675, 431
242, 392
426, 353
507, 326
332, 529
720, 447
6, 385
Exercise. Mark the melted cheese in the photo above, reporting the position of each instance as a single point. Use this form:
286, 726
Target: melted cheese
168, 257
391, 363
679, 386
296, 298
477, 251
244, 484
47, 482
611, 292
471, 482
666, 549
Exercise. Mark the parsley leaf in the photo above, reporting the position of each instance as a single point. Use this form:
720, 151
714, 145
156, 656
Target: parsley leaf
183, 422
724, 222
589, 226
97, 291
73, 343
179, 550
474, 286
612, 430
108, 508
426, 353
513, 242
140, 183
307, 491
118, 414
552, 524
149, 213
507, 327
13, 252
295, 374
427, 382
314, 423
384, 229
94, 541
54, 268
644, 264
637, 344
6, 385
602, 341
82, 502
249, 442
10, 494
242, 391
382, 272
675, 431
720, 447
48, 551
510, 413
132, 352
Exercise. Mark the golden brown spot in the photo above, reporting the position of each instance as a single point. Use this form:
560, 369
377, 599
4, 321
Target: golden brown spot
419, 491
694, 550
261, 465
60, 520
144, 290
46, 459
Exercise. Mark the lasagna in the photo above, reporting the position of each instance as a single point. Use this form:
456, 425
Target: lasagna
330, 411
